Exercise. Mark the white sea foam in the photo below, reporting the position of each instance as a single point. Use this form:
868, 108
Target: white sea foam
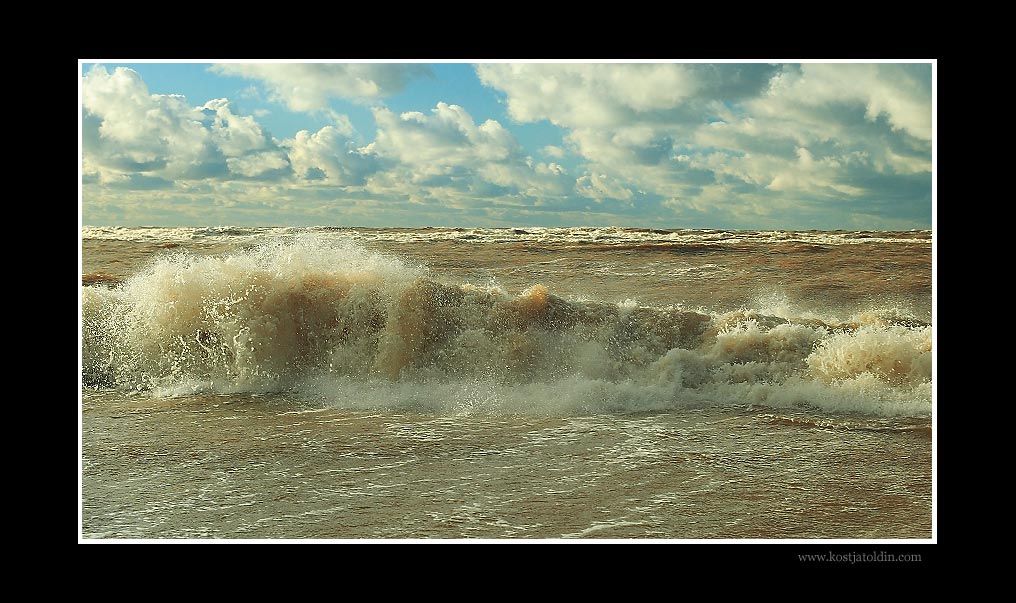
322, 316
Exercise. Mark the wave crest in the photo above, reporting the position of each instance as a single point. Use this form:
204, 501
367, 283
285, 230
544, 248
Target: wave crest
305, 314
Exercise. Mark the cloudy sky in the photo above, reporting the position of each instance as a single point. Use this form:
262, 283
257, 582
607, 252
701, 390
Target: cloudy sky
748, 145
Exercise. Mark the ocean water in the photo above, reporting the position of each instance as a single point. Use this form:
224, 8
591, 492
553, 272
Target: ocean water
505, 383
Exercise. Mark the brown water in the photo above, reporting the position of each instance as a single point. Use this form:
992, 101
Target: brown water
415, 384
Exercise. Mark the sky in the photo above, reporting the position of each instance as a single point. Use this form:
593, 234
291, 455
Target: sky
752, 145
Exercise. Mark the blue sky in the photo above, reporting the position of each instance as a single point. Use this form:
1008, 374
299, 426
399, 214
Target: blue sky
667, 145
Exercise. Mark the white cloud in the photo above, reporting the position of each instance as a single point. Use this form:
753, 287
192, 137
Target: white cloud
233, 134
212, 161
745, 145
602, 186
308, 86
446, 138
142, 140
585, 95
257, 164
126, 132
329, 154
901, 93
743, 136
127, 129
608, 95
553, 151
549, 168
445, 156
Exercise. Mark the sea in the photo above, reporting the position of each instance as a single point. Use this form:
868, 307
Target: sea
506, 383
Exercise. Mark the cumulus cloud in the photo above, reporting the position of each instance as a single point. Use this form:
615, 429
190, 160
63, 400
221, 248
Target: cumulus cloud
607, 95
126, 129
308, 86
329, 155
135, 139
233, 134
744, 137
258, 164
601, 186
226, 162
899, 93
132, 136
446, 156
733, 145
446, 138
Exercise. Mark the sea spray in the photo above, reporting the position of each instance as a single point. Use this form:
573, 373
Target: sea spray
330, 319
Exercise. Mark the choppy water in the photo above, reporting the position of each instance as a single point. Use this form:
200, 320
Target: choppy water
506, 383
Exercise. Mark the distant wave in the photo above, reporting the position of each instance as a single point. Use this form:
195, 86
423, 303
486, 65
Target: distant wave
327, 318
605, 236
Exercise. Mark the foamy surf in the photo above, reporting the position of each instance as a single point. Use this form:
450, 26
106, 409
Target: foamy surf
329, 320
584, 237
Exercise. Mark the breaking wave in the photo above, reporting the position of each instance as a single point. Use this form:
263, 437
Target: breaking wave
355, 328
